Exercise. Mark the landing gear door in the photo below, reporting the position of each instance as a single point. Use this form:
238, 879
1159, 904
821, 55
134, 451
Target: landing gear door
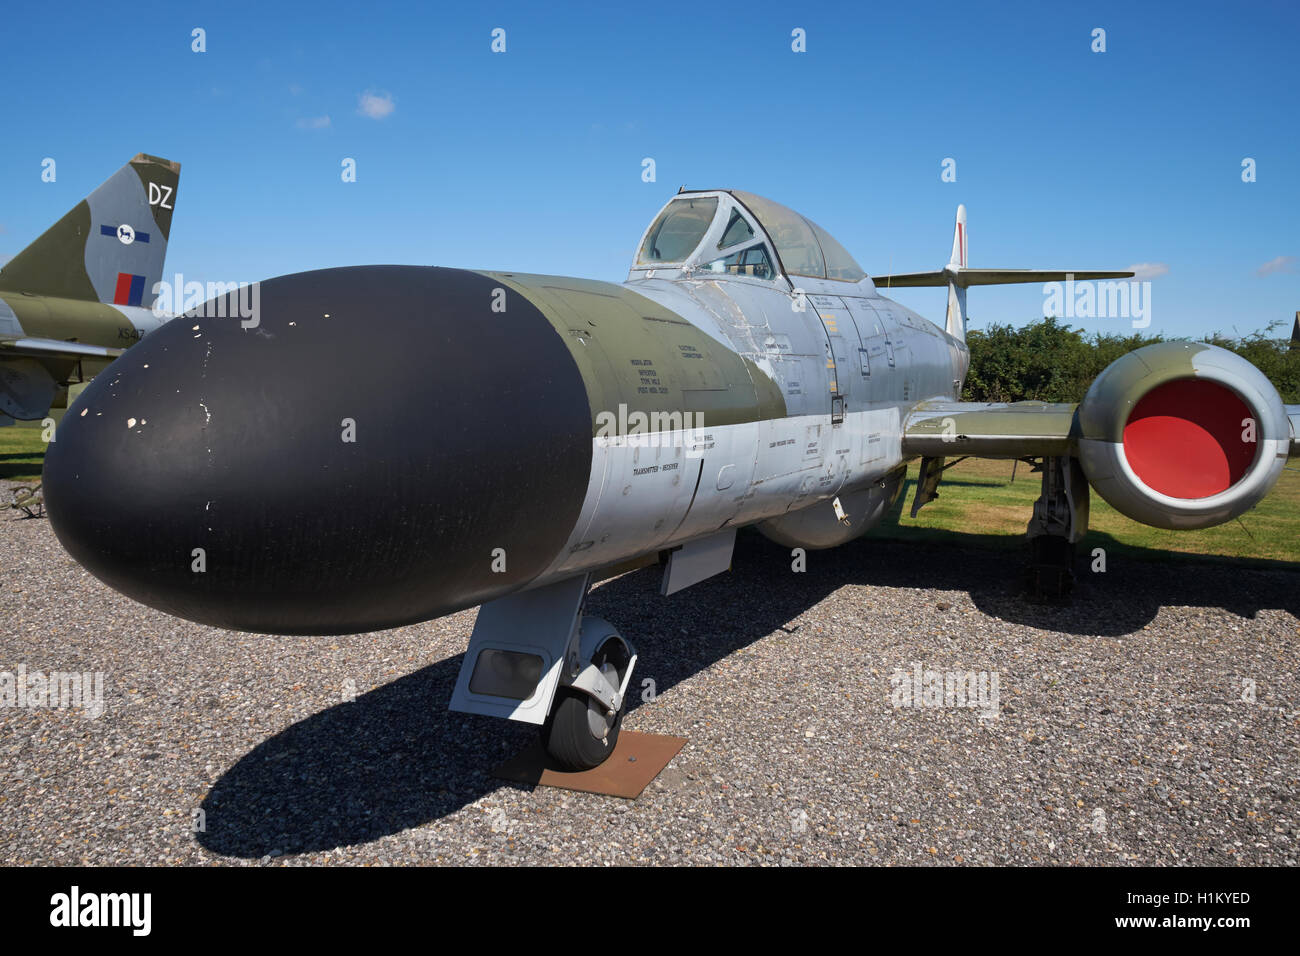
515, 655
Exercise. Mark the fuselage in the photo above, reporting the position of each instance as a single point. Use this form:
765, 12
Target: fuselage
393, 443
75, 320
387, 444
48, 342
783, 399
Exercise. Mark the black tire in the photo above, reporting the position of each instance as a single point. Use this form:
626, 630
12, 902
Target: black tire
567, 734
1049, 578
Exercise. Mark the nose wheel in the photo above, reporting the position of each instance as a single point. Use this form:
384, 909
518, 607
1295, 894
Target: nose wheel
582, 729
537, 658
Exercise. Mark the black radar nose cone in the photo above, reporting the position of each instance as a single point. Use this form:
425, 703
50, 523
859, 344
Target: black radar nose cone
350, 462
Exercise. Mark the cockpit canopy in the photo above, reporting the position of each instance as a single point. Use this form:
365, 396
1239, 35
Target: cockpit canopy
738, 233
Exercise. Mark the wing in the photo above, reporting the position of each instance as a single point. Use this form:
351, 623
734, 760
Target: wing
1008, 430
990, 430
54, 348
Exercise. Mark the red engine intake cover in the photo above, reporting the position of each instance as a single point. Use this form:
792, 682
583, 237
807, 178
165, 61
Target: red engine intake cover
1187, 438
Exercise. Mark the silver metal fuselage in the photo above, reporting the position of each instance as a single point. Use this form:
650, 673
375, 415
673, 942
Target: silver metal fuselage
830, 347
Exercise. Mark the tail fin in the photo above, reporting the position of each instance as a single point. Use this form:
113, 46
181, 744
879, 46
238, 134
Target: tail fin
955, 325
958, 276
111, 246
959, 240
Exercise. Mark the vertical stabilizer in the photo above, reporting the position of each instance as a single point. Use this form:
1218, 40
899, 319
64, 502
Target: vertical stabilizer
956, 322
111, 246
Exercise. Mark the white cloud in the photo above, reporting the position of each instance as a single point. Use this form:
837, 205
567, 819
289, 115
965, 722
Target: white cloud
1148, 270
375, 104
1289, 264
313, 122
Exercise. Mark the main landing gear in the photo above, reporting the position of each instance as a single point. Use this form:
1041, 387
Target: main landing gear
1060, 520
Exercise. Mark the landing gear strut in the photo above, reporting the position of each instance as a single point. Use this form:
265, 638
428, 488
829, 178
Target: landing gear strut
1060, 520
536, 658
1049, 576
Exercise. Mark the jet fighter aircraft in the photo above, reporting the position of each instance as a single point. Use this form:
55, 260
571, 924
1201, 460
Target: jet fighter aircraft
79, 295
516, 438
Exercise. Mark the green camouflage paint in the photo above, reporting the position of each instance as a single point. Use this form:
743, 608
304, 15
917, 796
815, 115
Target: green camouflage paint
636, 353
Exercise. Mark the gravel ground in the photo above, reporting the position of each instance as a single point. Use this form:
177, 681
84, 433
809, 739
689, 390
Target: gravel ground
1124, 732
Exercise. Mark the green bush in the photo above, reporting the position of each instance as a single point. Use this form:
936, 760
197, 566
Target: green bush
1047, 361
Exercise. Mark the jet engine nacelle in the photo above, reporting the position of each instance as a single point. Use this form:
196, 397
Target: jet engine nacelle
1182, 435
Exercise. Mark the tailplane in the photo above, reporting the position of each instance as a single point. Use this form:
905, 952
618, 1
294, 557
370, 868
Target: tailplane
957, 276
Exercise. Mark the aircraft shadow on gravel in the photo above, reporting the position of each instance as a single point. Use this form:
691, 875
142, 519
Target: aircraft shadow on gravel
396, 757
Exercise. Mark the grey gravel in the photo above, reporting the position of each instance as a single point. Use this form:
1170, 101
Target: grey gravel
1125, 732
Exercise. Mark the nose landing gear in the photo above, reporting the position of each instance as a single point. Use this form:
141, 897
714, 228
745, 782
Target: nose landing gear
582, 728
535, 657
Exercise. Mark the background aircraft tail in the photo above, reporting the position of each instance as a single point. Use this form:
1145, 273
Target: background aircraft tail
955, 324
111, 246
957, 276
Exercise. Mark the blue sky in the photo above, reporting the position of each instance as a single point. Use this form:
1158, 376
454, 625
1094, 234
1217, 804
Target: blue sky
531, 160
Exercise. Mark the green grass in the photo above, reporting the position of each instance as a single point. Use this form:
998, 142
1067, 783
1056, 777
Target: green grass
979, 505
21, 449
21, 452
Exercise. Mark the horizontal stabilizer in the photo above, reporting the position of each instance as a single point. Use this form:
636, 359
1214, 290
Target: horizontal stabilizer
964, 277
